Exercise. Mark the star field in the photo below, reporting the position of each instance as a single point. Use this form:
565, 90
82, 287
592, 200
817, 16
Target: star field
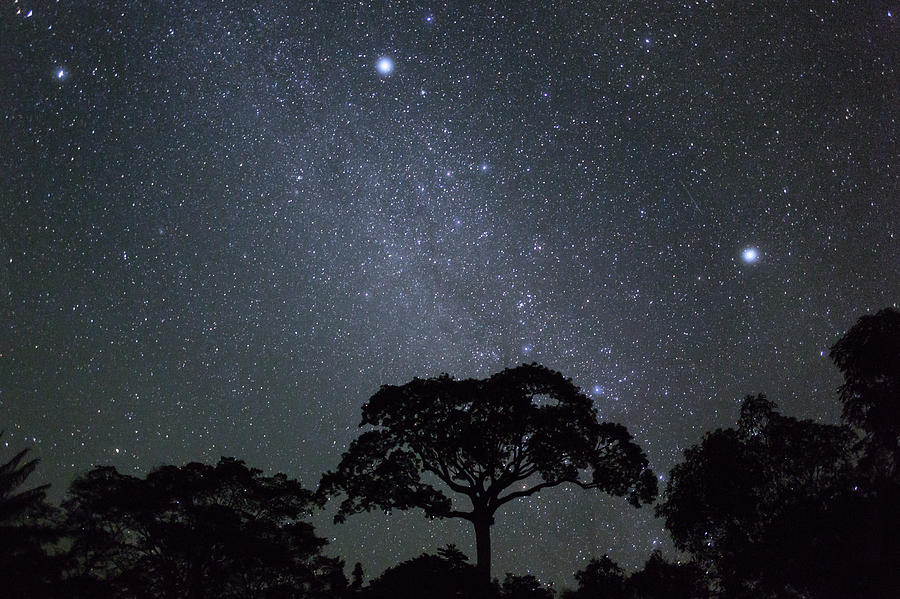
226, 224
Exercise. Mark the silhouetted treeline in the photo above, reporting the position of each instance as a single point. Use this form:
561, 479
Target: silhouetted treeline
779, 507
771, 507
195, 531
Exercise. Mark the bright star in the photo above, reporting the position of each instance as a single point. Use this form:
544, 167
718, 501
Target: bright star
750, 255
385, 65
60, 73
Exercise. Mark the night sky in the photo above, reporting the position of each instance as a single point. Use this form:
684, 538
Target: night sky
225, 224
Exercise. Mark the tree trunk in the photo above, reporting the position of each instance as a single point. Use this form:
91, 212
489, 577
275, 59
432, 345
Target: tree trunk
483, 544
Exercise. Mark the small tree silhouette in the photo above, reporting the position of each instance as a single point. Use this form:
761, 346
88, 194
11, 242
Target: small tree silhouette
600, 579
523, 587
26, 527
448, 575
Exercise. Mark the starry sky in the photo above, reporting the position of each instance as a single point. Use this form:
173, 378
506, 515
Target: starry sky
225, 224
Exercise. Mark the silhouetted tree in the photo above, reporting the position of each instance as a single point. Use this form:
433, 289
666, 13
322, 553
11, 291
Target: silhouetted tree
660, 579
26, 530
491, 441
755, 505
447, 575
523, 587
198, 531
604, 579
868, 356
453, 555
600, 579
356, 577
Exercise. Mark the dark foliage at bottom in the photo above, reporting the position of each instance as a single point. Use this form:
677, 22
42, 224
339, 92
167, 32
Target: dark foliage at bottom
773, 507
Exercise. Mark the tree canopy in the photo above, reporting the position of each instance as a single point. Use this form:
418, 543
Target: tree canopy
447, 575
771, 507
868, 356
489, 441
26, 527
198, 531
604, 579
660, 579
767, 506
600, 579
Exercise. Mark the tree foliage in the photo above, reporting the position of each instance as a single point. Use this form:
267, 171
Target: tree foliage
659, 579
523, 587
15, 503
447, 575
762, 505
600, 579
198, 531
489, 441
772, 507
868, 356
27, 569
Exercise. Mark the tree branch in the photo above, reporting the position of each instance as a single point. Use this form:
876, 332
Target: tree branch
511, 473
458, 514
539, 487
442, 473
462, 470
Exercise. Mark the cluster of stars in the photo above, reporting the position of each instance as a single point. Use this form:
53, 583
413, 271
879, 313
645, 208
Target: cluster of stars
227, 224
